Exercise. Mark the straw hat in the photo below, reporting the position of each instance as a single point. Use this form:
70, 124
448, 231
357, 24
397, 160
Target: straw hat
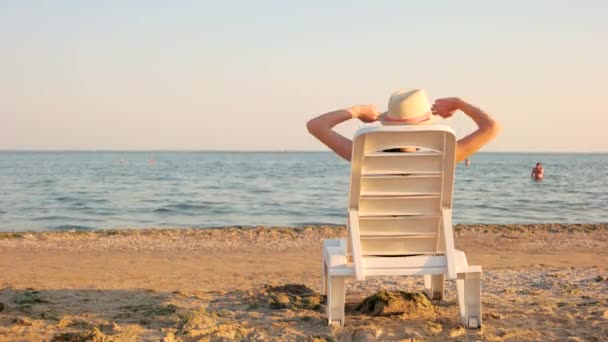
408, 107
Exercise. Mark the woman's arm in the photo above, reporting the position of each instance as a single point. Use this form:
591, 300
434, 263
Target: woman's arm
322, 127
487, 127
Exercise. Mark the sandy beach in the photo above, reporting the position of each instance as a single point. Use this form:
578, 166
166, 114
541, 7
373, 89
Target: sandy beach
541, 282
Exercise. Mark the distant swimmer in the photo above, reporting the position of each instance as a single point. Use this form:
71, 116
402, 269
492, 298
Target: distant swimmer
467, 162
538, 172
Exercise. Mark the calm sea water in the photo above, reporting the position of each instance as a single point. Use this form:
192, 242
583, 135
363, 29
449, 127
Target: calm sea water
91, 190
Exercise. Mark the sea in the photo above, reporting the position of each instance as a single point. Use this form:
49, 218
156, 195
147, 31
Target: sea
42, 191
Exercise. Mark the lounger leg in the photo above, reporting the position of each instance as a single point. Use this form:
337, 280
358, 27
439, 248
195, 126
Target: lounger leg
329, 249
335, 300
433, 285
468, 286
324, 277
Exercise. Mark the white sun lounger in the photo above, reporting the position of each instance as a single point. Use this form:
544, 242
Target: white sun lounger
400, 219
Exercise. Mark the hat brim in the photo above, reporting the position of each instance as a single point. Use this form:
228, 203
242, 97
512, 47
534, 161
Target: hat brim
383, 121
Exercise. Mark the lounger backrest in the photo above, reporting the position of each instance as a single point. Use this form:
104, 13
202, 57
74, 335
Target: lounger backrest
397, 197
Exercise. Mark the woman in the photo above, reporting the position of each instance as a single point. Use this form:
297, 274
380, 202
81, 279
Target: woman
487, 128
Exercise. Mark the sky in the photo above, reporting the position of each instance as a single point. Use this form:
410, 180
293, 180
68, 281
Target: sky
247, 75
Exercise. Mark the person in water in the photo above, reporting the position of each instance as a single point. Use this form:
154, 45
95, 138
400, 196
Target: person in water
406, 107
467, 162
538, 172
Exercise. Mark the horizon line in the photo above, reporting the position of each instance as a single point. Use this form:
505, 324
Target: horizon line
256, 151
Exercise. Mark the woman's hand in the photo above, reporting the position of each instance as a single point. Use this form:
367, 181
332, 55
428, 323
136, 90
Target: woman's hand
446, 107
365, 113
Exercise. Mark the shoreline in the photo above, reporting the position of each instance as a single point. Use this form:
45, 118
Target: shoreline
540, 281
554, 227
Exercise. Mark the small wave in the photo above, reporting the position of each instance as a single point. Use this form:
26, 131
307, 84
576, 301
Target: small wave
68, 199
263, 191
52, 217
195, 209
163, 178
163, 210
210, 187
62, 218
187, 206
79, 205
152, 200
71, 227
99, 200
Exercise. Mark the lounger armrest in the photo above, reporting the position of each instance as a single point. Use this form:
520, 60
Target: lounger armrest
334, 252
355, 239
448, 235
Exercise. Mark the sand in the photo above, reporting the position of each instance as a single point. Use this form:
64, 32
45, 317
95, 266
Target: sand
541, 282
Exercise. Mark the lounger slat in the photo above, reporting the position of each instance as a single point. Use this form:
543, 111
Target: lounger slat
400, 225
389, 140
396, 175
421, 184
392, 196
404, 271
404, 154
401, 246
394, 215
400, 205
402, 164
371, 194
384, 235
404, 261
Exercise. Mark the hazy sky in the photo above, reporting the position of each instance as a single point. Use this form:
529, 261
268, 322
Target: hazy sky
247, 75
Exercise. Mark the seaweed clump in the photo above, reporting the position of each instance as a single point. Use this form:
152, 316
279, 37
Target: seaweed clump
293, 297
386, 303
